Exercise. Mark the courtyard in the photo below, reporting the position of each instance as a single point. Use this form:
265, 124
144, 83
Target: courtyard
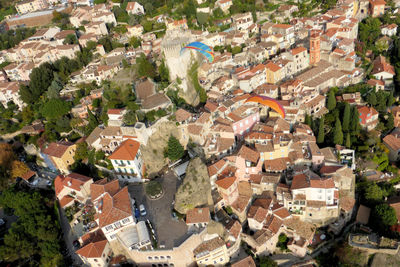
170, 232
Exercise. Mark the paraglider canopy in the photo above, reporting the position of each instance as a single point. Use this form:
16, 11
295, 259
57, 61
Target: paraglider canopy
204, 49
267, 101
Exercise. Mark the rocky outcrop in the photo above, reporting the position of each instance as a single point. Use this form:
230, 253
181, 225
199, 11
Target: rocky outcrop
195, 190
153, 151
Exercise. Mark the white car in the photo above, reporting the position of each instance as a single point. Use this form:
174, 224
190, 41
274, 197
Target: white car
142, 210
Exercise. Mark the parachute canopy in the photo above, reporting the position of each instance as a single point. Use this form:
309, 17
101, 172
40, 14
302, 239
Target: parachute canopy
204, 49
267, 101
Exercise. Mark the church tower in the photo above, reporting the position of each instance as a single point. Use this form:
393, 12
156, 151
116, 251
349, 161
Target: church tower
315, 47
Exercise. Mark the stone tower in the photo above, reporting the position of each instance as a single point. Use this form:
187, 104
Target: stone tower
315, 47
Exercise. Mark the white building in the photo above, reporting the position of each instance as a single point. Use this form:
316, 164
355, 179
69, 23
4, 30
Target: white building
127, 161
134, 8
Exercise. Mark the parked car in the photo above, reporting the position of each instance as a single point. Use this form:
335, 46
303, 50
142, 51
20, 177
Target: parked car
137, 213
142, 210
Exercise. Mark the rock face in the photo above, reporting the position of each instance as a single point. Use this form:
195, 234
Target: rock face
153, 152
195, 190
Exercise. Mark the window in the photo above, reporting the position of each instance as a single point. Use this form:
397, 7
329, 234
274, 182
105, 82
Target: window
149, 258
168, 257
109, 227
95, 260
128, 162
126, 220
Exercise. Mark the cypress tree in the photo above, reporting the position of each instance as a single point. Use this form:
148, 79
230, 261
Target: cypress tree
355, 124
321, 131
331, 100
338, 133
348, 140
307, 120
346, 117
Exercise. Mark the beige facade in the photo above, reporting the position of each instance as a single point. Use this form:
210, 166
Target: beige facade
28, 6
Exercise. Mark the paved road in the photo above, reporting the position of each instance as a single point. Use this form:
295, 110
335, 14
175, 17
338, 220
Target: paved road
69, 237
169, 231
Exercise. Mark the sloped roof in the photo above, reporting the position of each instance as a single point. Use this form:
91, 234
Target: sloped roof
198, 215
115, 207
126, 151
72, 180
93, 250
102, 186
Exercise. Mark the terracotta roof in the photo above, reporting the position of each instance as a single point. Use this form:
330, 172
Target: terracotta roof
72, 180
363, 214
304, 229
281, 212
263, 202
381, 65
216, 167
209, 245
126, 151
347, 203
93, 250
58, 149
198, 215
322, 183
210, 106
115, 207
246, 262
300, 181
29, 174
279, 164
155, 100
102, 186
273, 224
182, 115
272, 66
204, 117
65, 200
145, 89
329, 169
392, 142
234, 228
298, 50
227, 182
257, 213
249, 154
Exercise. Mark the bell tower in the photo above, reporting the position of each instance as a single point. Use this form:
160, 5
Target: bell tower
315, 47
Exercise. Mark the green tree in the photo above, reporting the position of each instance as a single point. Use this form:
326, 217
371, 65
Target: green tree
390, 122
371, 98
373, 193
55, 109
331, 100
202, 18
390, 100
385, 215
134, 42
308, 120
265, 261
71, 39
355, 121
93, 122
81, 152
174, 150
346, 117
348, 140
129, 118
321, 131
144, 67
164, 72
338, 133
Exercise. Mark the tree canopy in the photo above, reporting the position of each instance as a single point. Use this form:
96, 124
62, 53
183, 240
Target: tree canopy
174, 149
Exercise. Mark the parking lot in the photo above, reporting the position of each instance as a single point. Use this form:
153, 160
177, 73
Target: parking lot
169, 231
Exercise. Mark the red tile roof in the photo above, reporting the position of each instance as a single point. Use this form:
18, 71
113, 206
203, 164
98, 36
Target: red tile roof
227, 182
246, 262
93, 250
58, 149
115, 207
72, 180
249, 154
126, 151
102, 186
198, 215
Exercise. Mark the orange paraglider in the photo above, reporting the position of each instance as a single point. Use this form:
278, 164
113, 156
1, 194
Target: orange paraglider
267, 101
